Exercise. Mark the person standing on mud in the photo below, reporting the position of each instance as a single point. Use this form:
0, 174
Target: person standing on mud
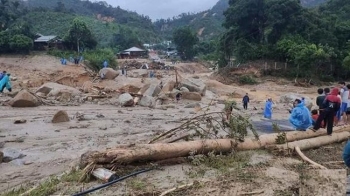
2, 75
5, 82
332, 105
268, 109
245, 101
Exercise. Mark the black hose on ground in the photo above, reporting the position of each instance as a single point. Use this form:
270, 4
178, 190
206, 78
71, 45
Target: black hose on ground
112, 182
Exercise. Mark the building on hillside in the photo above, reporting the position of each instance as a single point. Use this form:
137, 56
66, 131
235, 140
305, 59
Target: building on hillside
47, 42
133, 53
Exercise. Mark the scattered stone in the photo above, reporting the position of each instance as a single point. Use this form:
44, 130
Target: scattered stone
79, 116
195, 85
184, 89
24, 99
27, 162
11, 154
100, 116
120, 112
60, 117
1, 156
168, 87
108, 73
290, 97
20, 121
103, 128
147, 101
193, 105
13, 78
126, 100
12, 94
127, 121
153, 90
55, 90
57, 131
192, 96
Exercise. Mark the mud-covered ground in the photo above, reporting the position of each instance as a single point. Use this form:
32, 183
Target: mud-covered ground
50, 149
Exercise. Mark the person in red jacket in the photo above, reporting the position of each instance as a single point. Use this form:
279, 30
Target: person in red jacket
331, 106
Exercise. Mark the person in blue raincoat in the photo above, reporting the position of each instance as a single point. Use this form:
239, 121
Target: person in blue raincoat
5, 82
300, 116
105, 64
2, 74
346, 154
268, 109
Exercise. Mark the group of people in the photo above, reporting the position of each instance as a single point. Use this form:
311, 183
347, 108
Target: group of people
5, 82
333, 109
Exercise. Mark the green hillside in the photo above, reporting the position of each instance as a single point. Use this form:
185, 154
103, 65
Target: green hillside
208, 24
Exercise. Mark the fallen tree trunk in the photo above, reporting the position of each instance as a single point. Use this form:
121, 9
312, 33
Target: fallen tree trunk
305, 158
311, 143
161, 151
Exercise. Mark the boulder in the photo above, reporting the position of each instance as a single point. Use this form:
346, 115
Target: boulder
191, 96
24, 99
193, 105
60, 117
87, 87
169, 86
153, 90
195, 85
290, 97
147, 101
184, 89
126, 100
138, 73
108, 73
54, 89
10, 154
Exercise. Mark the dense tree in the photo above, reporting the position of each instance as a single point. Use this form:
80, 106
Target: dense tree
125, 38
21, 43
185, 39
80, 36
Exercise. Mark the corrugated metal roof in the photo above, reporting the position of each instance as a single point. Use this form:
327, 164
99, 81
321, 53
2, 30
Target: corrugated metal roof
134, 49
45, 38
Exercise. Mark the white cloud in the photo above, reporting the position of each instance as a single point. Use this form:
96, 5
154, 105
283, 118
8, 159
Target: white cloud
157, 9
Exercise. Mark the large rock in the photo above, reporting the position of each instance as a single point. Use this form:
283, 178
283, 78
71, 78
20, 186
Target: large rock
60, 116
138, 73
169, 86
195, 85
192, 96
126, 100
153, 90
147, 101
290, 97
11, 154
24, 99
184, 89
108, 73
54, 89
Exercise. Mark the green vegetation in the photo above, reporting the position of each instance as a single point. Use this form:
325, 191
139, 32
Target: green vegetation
94, 58
79, 35
247, 79
314, 42
185, 40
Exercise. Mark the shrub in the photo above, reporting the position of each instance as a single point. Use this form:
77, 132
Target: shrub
95, 58
246, 79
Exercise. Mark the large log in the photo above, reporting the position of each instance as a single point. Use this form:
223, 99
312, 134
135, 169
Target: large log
161, 151
311, 143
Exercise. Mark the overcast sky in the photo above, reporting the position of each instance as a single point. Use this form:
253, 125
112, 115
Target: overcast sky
157, 9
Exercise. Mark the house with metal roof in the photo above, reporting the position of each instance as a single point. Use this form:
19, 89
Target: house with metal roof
47, 42
133, 53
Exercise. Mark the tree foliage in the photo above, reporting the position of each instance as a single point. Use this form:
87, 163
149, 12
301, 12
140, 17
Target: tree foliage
314, 41
20, 43
80, 36
185, 39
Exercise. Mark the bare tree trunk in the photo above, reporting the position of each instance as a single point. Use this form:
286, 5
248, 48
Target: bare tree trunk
161, 151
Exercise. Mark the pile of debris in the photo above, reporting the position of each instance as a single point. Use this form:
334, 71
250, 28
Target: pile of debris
132, 64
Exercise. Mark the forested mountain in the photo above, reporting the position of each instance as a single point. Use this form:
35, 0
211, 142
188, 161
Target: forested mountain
208, 24
316, 42
106, 22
